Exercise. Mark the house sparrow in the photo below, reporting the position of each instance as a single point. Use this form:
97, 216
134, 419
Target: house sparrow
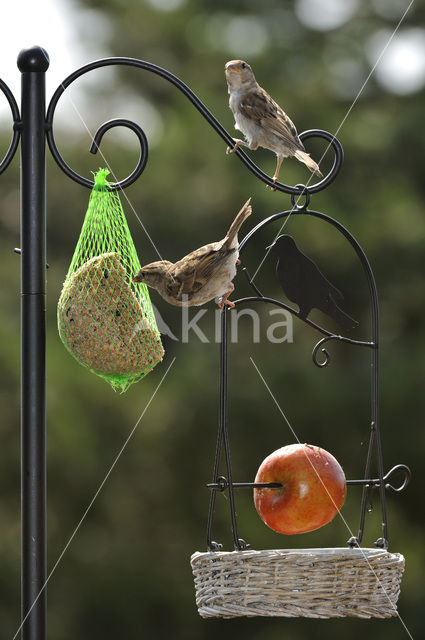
202, 275
261, 120
303, 283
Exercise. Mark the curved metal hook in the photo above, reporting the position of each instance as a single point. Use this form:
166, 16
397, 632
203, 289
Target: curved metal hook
143, 158
325, 352
338, 160
407, 476
170, 77
97, 138
325, 363
16, 126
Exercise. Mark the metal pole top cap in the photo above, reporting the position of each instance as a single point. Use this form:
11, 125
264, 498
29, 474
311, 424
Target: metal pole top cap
33, 59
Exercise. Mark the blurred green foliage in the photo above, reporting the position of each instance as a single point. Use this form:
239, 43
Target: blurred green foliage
126, 572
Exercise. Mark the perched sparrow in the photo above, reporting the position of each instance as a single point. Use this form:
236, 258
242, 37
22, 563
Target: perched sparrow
261, 120
202, 275
303, 283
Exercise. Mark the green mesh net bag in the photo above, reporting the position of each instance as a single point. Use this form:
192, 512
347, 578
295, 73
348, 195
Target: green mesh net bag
105, 320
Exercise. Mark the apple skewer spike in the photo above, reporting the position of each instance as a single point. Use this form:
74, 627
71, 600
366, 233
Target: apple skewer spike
222, 486
222, 483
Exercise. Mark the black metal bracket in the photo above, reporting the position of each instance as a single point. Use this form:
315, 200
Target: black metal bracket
33, 127
381, 482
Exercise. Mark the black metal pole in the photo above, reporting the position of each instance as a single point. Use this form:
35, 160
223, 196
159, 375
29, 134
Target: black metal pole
33, 63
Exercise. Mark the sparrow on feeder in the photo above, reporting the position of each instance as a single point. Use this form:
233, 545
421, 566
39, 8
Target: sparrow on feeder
202, 275
261, 120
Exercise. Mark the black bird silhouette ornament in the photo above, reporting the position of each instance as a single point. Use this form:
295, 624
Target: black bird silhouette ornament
303, 283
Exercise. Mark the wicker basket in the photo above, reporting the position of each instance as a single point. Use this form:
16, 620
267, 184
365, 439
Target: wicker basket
309, 583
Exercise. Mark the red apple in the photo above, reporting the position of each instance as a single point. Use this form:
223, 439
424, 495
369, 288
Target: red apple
313, 489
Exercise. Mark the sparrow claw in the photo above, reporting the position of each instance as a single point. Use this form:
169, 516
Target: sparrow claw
238, 262
269, 186
224, 301
235, 147
228, 302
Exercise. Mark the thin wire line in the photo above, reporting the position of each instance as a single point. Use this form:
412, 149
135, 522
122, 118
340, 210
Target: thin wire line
356, 99
331, 498
94, 498
370, 74
74, 106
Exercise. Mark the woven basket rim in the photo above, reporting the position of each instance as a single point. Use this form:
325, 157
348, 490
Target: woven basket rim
319, 551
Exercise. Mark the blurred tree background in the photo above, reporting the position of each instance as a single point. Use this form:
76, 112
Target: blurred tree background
127, 570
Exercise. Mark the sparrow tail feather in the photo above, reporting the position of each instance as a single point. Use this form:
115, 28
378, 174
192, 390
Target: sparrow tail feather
237, 222
309, 162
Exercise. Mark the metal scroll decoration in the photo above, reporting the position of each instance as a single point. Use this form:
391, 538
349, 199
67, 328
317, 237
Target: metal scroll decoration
32, 129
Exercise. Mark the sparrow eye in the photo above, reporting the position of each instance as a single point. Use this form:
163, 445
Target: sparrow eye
243, 65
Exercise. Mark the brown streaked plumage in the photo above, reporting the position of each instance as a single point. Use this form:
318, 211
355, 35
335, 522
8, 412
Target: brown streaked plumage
261, 120
202, 275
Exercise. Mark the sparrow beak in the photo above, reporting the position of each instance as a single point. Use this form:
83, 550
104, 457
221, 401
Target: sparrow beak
232, 68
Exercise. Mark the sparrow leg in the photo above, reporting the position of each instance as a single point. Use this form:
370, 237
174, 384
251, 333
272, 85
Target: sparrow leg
278, 165
276, 173
224, 301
